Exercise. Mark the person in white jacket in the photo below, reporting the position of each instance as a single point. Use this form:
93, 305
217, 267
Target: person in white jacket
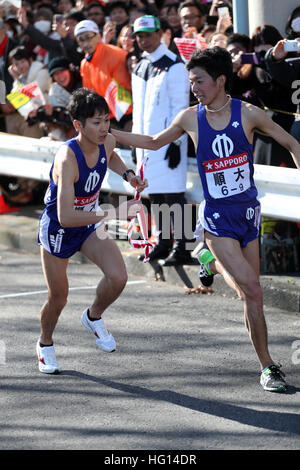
160, 90
25, 70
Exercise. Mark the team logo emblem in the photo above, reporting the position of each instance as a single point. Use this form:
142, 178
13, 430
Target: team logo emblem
222, 146
92, 181
250, 213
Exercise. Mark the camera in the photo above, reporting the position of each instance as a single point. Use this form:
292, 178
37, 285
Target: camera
59, 116
292, 46
223, 9
251, 58
58, 18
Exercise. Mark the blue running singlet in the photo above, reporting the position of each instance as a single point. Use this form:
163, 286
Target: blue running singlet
225, 160
64, 242
225, 164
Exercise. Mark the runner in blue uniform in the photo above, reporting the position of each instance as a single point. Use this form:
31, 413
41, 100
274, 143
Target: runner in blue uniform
222, 130
72, 221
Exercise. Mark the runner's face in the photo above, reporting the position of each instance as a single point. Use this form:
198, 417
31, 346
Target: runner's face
96, 128
203, 86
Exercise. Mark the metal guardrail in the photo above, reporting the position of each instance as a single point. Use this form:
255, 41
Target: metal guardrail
278, 188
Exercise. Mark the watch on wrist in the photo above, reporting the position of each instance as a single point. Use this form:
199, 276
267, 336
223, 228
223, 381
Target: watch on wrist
125, 174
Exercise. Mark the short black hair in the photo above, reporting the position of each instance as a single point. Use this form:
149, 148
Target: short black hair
93, 5
117, 4
75, 15
242, 39
19, 53
215, 61
84, 104
191, 3
265, 34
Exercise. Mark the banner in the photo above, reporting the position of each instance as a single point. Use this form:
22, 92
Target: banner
26, 98
118, 99
186, 46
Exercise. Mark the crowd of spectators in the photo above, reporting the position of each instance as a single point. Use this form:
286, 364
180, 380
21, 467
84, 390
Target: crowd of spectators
39, 44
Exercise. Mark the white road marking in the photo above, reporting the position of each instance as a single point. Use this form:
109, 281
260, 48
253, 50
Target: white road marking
35, 292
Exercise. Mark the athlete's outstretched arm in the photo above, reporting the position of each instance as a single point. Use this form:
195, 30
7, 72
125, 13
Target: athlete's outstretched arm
263, 122
152, 142
116, 164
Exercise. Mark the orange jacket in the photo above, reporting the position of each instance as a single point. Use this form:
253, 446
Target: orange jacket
108, 62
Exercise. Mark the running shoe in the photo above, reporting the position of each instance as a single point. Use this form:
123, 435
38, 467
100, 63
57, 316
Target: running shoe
104, 339
205, 275
47, 359
271, 379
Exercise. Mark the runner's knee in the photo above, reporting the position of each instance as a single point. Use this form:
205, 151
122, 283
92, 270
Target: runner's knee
252, 290
118, 279
58, 301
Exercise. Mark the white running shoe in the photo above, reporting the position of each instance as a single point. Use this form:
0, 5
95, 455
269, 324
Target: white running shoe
104, 339
47, 359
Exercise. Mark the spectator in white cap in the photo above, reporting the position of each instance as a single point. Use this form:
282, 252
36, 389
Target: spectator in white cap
103, 66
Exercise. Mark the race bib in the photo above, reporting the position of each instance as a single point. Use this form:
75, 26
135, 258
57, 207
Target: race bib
227, 176
87, 204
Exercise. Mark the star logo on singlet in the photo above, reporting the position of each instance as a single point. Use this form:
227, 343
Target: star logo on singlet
216, 215
235, 124
102, 160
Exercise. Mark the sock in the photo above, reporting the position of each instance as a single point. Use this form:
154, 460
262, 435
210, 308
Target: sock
91, 319
45, 345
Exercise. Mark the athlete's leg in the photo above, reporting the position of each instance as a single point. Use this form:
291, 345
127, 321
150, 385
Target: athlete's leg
56, 278
107, 256
241, 266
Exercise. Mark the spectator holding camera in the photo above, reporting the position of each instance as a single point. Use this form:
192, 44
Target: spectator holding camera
293, 24
286, 71
24, 71
274, 97
239, 45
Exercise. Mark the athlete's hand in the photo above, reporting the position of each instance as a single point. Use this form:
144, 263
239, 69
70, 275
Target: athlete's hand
137, 183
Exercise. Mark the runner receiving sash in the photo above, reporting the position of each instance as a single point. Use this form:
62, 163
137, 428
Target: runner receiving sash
72, 221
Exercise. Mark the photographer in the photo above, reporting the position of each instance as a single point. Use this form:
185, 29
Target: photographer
265, 92
285, 71
53, 118
24, 71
